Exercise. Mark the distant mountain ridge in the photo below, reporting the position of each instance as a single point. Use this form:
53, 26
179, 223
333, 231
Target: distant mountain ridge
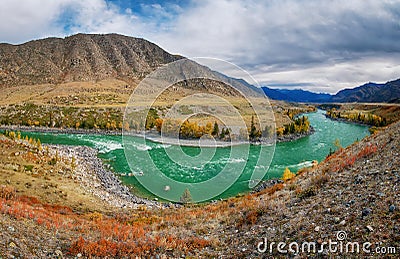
93, 57
80, 57
371, 92
368, 93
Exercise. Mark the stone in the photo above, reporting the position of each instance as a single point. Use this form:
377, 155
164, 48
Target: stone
59, 253
392, 208
342, 223
370, 229
317, 228
366, 212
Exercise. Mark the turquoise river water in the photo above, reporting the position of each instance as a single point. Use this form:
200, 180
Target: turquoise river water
294, 155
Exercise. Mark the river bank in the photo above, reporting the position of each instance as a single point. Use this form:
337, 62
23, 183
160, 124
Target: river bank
295, 136
348, 121
291, 154
154, 137
92, 175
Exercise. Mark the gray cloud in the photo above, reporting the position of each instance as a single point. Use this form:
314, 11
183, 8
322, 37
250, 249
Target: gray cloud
331, 44
328, 44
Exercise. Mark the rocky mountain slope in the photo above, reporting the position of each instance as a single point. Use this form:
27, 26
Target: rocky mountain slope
81, 57
355, 192
296, 95
367, 93
371, 92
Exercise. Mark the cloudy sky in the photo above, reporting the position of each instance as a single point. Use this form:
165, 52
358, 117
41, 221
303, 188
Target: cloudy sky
322, 46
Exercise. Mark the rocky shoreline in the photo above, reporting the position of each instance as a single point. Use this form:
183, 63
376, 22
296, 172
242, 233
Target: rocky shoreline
59, 130
295, 136
96, 180
266, 184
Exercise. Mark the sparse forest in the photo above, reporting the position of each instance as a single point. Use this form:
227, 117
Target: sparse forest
359, 117
300, 125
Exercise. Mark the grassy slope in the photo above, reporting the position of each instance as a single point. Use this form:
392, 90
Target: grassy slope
30, 172
76, 101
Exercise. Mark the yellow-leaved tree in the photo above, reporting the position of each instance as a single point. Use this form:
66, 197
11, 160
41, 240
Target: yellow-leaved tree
287, 175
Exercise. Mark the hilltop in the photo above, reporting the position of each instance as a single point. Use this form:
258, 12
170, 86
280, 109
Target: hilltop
80, 57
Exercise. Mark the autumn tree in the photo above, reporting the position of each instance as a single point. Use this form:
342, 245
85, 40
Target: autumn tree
158, 124
287, 175
208, 128
126, 126
39, 145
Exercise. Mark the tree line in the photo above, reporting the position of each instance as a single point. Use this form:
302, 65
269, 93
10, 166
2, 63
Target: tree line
364, 118
299, 125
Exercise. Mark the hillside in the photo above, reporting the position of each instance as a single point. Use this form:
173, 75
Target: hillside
81, 57
371, 92
85, 81
367, 93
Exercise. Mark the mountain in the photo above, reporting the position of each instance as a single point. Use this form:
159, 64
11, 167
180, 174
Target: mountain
296, 95
371, 92
276, 94
95, 57
81, 57
368, 93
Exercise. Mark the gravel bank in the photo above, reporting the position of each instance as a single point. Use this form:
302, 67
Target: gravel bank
95, 179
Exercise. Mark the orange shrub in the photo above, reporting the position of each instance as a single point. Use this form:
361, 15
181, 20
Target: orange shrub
7, 192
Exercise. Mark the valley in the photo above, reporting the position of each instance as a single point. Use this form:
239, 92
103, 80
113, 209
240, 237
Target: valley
80, 160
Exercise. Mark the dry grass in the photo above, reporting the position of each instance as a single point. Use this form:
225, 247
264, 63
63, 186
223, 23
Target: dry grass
115, 94
106, 93
28, 172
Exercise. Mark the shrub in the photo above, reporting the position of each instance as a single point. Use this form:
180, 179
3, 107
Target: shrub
287, 175
319, 180
309, 192
271, 190
7, 192
28, 167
